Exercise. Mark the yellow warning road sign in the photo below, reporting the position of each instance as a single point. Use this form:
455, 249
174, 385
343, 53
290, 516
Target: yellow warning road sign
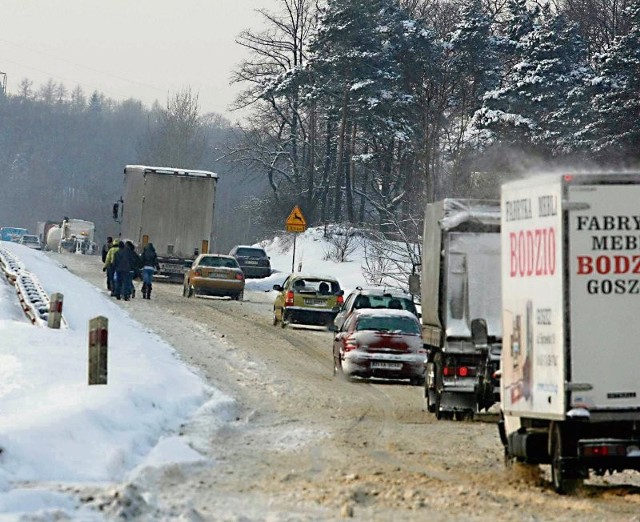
296, 222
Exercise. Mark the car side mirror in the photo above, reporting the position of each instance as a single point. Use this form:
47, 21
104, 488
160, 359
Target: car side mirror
277, 288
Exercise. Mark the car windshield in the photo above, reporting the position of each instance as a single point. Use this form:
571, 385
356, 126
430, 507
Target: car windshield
227, 262
316, 286
389, 324
251, 252
384, 301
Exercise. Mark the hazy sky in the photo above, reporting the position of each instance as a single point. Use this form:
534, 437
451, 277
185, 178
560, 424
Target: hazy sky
143, 49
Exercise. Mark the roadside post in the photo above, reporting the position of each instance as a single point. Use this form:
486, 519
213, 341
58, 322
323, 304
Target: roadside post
55, 310
98, 340
295, 223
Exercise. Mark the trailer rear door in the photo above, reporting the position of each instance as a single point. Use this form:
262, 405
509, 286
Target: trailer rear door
603, 223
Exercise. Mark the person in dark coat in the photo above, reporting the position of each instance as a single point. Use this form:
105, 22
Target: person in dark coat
105, 249
124, 263
137, 265
150, 264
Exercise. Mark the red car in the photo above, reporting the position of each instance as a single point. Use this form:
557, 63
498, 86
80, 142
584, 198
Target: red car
380, 343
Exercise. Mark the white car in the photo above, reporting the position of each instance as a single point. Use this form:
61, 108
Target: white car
30, 241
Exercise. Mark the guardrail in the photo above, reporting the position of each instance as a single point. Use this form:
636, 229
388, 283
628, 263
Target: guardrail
32, 297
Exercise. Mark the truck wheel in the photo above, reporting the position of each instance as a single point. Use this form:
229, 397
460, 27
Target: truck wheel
560, 448
283, 322
439, 413
429, 404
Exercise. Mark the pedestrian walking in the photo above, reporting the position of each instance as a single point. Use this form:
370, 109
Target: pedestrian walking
149, 260
105, 250
136, 266
123, 263
109, 267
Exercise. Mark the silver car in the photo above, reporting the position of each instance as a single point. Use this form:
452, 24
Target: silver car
30, 241
374, 298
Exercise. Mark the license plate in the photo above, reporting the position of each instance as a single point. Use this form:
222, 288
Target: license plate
173, 269
219, 275
315, 302
386, 365
251, 262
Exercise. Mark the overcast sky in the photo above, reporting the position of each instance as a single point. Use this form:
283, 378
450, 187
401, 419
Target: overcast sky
143, 49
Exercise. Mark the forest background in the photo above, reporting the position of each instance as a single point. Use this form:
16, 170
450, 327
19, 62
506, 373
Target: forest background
358, 111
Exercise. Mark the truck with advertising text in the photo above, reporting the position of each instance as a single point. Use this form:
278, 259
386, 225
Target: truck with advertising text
460, 289
171, 208
570, 392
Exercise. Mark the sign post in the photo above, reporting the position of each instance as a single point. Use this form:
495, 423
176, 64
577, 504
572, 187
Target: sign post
295, 223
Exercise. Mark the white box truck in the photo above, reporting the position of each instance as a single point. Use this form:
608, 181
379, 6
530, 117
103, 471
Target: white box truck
171, 208
570, 383
460, 288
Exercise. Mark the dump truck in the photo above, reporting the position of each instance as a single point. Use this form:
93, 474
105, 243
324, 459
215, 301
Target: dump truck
171, 208
570, 392
460, 298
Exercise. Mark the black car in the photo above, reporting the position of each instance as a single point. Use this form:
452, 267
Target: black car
254, 261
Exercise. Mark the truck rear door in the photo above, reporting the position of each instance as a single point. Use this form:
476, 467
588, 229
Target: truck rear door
603, 224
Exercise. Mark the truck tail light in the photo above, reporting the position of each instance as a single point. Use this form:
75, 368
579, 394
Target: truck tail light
458, 371
289, 298
604, 450
340, 300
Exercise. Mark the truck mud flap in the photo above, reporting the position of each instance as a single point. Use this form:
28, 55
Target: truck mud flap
457, 401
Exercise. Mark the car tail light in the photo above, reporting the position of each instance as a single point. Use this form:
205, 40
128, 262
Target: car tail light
340, 300
197, 273
448, 371
463, 371
289, 298
350, 344
240, 276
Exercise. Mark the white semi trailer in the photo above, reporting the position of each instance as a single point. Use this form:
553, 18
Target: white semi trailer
570, 387
171, 208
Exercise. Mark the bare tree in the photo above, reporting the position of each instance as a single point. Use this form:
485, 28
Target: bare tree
175, 136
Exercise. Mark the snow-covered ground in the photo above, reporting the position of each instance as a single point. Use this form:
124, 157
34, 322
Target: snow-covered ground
56, 428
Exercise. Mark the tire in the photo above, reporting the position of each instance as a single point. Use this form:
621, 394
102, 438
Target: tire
439, 414
283, 321
429, 406
337, 367
185, 292
417, 381
239, 297
191, 291
560, 447
275, 318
